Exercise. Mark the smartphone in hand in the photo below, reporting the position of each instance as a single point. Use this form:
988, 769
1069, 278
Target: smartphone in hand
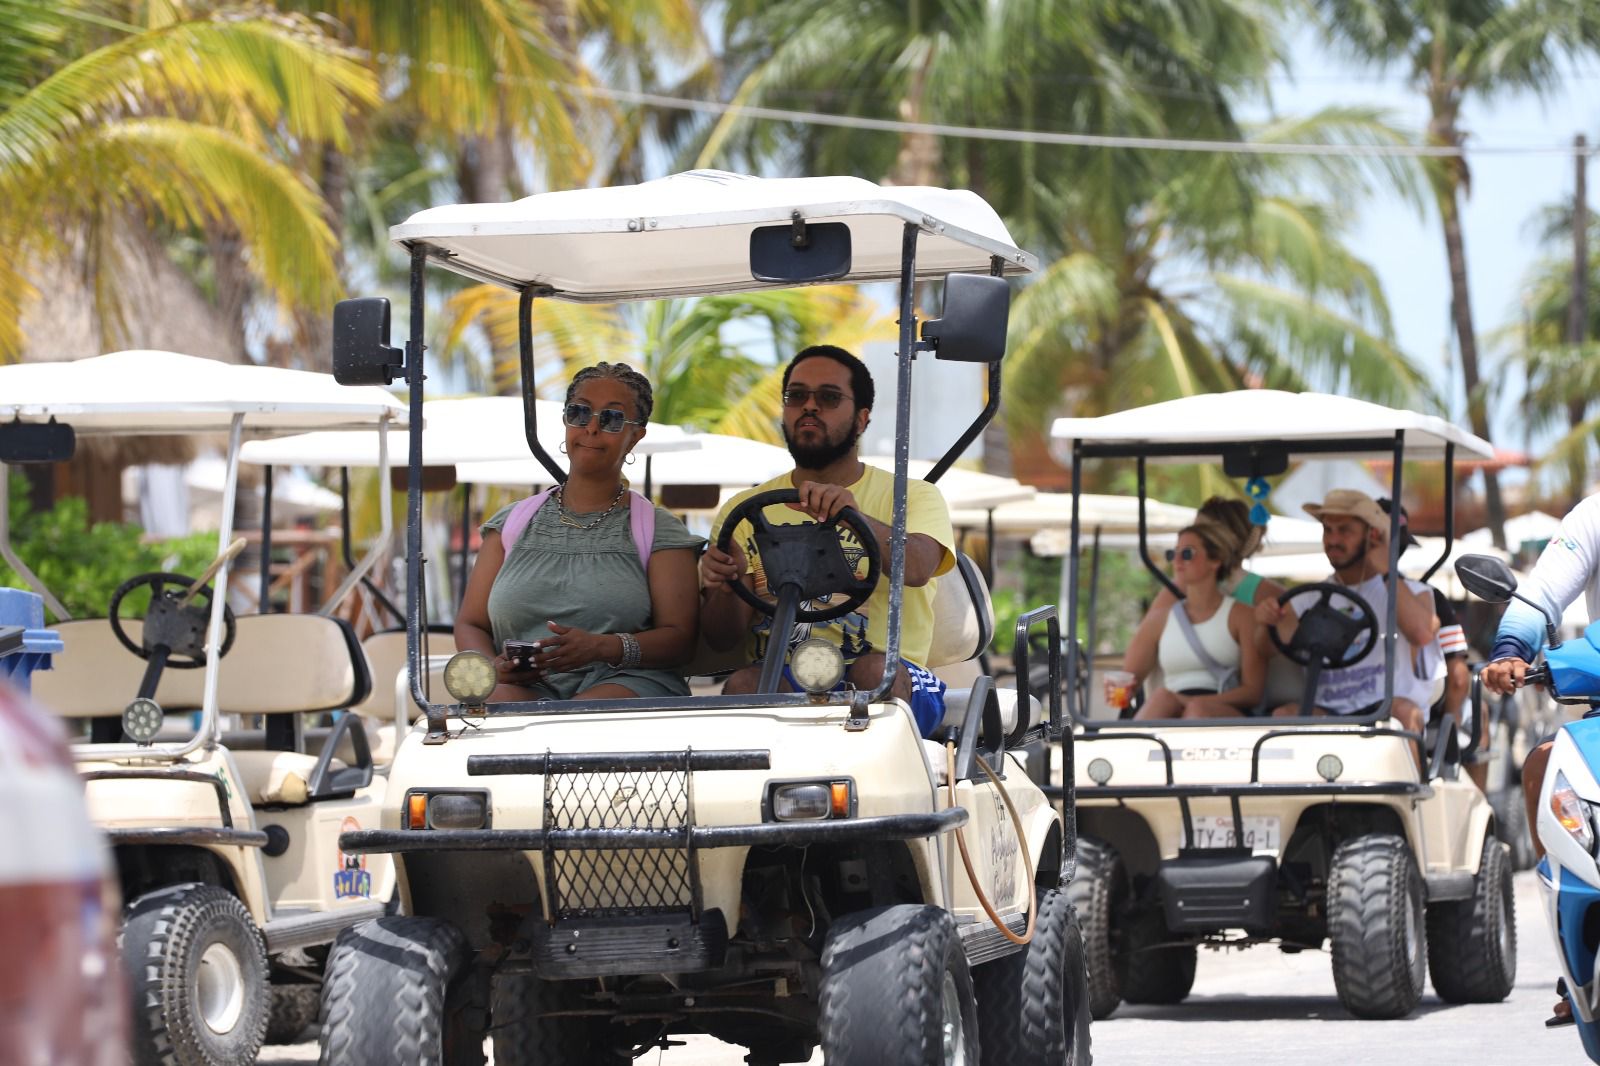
521, 653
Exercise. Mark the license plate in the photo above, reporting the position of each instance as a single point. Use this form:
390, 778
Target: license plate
1217, 831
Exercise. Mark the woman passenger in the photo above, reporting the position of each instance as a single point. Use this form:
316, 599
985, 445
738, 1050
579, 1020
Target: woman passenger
603, 625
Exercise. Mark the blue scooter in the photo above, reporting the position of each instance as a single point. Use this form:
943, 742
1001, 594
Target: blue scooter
1568, 823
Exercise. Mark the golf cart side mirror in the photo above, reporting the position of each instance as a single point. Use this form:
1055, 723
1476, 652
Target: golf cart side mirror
800, 253
1486, 577
362, 354
37, 442
973, 329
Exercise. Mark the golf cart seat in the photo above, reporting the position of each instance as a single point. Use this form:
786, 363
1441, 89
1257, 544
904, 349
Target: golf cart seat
385, 653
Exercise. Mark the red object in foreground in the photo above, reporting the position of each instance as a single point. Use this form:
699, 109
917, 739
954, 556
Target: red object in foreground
62, 995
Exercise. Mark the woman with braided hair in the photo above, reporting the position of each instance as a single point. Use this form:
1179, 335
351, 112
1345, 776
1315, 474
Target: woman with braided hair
597, 581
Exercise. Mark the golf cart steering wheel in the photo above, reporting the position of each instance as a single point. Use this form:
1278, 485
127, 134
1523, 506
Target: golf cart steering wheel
170, 622
1326, 635
808, 554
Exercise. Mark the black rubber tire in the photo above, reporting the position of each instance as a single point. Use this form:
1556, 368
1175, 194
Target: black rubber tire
1375, 926
1511, 826
1033, 1005
1095, 891
292, 1008
1147, 974
388, 996
164, 936
884, 973
523, 1036
1472, 943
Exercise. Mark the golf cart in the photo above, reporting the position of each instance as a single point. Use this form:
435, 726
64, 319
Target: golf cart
1232, 833
225, 842
584, 879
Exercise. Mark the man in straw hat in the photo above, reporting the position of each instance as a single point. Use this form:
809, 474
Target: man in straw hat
1355, 534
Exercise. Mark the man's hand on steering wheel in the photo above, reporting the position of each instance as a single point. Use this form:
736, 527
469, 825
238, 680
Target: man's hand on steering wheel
1325, 634
721, 569
821, 501
807, 555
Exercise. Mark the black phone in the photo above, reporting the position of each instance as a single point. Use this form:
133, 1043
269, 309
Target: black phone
521, 653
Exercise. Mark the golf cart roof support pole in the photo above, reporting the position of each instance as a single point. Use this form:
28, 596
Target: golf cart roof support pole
262, 604
344, 547
530, 416
902, 455
996, 269
1074, 529
466, 538
1449, 511
414, 378
1392, 580
359, 572
1144, 540
1094, 611
207, 732
988, 547
648, 473
9, 554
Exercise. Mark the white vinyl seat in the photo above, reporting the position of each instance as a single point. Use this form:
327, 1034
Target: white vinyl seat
381, 711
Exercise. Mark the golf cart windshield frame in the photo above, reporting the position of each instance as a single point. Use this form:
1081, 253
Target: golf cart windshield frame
1393, 444
909, 346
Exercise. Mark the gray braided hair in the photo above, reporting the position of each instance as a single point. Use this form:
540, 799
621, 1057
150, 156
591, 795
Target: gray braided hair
637, 383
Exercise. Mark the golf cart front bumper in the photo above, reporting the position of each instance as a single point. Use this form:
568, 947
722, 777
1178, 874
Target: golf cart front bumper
1219, 889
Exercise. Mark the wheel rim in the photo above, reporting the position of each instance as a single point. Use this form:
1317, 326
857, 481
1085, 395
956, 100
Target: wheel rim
954, 1036
1507, 920
1413, 927
219, 988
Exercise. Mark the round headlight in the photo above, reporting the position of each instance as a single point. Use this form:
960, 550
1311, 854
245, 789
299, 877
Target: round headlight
142, 720
1330, 767
469, 677
1099, 771
817, 665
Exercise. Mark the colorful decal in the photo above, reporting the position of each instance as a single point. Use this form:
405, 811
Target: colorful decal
351, 879
1002, 854
227, 786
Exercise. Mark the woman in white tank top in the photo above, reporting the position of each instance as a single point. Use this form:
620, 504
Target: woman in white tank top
1224, 681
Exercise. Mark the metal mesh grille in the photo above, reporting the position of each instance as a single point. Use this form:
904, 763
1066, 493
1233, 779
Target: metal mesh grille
625, 882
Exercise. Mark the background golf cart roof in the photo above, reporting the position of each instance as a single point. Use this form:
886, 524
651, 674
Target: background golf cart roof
460, 430
1053, 511
689, 234
705, 459
154, 392
1224, 419
962, 489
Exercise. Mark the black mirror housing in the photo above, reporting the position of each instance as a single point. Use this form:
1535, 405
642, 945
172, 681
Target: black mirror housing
37, 442
973, 329
362, 354
1486, 577
800, 253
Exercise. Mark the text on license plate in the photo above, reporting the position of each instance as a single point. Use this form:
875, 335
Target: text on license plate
1217, 831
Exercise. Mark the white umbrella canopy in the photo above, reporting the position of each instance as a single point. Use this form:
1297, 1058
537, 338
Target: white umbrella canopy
1535, 525
705, 459
964, 490
155, 392
458, 430
1052, 511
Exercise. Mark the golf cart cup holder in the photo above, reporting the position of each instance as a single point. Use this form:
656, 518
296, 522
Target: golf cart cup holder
1326, 637
805, 555
169, 622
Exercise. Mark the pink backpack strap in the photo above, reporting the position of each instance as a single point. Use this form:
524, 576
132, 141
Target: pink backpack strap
641, 520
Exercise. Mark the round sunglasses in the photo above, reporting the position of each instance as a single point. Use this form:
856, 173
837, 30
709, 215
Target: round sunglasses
1186, 554
827, 397
577, 415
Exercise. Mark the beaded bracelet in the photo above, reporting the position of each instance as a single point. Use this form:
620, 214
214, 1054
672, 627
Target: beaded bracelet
630, 651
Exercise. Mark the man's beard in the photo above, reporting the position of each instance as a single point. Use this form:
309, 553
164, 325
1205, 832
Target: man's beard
821, 455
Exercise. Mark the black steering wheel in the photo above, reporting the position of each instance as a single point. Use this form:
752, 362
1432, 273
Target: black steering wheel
1326, 636
169, 623
806, 554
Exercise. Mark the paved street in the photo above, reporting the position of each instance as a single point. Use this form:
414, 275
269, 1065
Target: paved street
1265, 1007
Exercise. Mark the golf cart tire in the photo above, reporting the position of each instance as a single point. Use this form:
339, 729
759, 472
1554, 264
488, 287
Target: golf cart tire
293, 1007
164, 937
1374, 910
1150, 974
387, 996
882, 1001
1472, 943
1511, 826
525, 1033
1033, 1005
1093, 891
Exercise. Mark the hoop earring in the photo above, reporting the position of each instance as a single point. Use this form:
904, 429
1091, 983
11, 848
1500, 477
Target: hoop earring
631, 459
562, 447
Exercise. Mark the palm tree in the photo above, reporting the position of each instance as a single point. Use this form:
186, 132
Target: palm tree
1454, 51
105, 126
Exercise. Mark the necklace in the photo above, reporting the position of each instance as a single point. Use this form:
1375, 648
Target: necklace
566, 516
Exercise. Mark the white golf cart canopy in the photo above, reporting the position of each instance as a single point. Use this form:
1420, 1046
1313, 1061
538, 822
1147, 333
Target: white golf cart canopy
964, 490
1052, 511
459, 430
689, 234
703, 459
1249, 415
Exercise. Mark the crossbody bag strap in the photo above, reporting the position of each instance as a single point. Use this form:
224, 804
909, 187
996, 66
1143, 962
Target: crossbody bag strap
1220, 674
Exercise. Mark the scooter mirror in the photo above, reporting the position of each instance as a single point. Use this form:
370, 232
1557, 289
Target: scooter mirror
1486, 577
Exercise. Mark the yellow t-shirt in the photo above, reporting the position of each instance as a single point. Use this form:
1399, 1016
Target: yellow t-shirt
866, 628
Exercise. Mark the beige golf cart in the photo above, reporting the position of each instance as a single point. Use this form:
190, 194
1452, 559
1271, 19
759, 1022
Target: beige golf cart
584, 880
225, 838
1292, 832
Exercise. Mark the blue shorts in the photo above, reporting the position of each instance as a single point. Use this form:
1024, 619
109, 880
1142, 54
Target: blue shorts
927, 694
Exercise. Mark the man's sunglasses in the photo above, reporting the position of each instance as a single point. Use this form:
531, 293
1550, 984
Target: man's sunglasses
827, 398
577, 416
1186, 554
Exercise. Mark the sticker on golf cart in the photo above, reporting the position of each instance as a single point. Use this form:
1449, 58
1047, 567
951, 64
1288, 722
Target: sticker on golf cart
1217, 754
351, 879
1217, 831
